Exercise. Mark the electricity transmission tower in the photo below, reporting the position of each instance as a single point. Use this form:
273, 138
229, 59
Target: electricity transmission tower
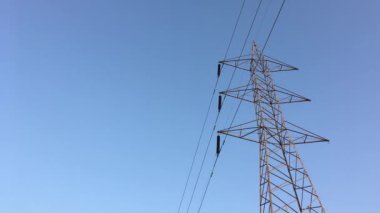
285, 185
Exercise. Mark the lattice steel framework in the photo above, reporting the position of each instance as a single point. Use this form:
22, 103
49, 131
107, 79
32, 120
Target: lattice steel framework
285, 185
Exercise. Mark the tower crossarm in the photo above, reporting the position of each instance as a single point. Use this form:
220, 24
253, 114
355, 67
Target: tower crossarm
296, 135
243, 63
249, 94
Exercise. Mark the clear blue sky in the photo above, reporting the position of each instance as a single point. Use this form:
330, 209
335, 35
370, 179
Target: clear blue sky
101, 102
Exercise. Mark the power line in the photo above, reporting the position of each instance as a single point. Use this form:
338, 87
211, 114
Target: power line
234, 31
217, 157
208, 110
216, 120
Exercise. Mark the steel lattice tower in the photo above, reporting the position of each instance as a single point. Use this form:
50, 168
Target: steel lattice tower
285, 185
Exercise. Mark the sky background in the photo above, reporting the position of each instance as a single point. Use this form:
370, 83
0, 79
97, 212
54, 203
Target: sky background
101, 102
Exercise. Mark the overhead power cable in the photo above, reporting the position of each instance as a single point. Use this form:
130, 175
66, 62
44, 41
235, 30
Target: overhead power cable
217, 117
217, 157
208, 110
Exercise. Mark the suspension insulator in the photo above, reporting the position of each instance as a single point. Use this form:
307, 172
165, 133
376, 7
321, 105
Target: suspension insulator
219, 70
220, 103
218, 145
